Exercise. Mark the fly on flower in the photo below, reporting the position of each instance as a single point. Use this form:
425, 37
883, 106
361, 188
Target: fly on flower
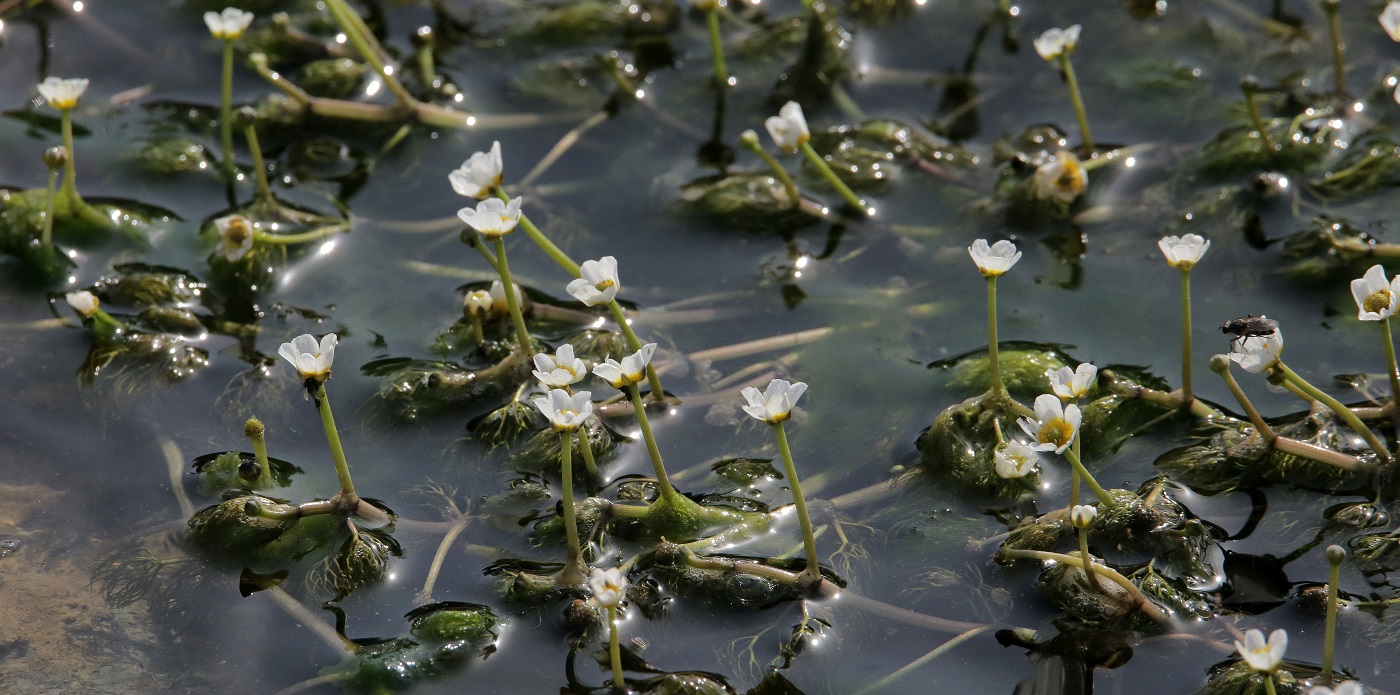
1249, 327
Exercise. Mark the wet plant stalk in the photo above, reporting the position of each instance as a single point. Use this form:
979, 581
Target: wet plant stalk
262, 237
1269, 684
997, 385
779, 172
1334, 25
70, 167
254, 430
1074, 96
522, 334
368, 48
717, 48
342, 468
477, 336
1094, 486
1144, 604
662, 481
263, 193
1187, 395
809, 541
1335, 555
1392, 370
46, 236
653, 380
226, 112
586, 447
615, 650
1341, 410
1283, 444
851, 198
1074, 481
566, 469
1252, 104
1089, 574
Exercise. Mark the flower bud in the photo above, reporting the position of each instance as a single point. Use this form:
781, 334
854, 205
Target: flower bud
55, 157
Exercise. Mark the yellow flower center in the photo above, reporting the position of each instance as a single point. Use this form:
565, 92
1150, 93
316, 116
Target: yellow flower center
237, 233
1057, 432
1378, 302
603, 284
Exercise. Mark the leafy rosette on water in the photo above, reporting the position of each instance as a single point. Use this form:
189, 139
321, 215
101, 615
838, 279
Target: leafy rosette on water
443, 637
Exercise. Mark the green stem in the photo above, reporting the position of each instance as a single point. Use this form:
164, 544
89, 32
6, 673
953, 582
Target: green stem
794, 198
997, 385
587, 447
263, 192
477, 335
368, 47
1074, 480
46, 236
226, 111
542, 241
662, 481
809, 542
342, 469
1263, 427
300, 237
1144, 604
1186, 391
1329, 639
1334, 25
522, 335
717, 48
653, 380
1078, 101
1269, 684
1341, 410
1393, 371
615, 650
566, 460
851, 198
255, 433
1258, 120
1089, 574
1094, 486
70, 168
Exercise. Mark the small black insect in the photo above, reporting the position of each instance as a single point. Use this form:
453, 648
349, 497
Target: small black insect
1250, 327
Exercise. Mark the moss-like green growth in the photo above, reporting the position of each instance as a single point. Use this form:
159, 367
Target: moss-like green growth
747, 200
543, 450
1233, 456
443, 637
961, 443
335, 78
92, 222
361, 560
1329, 250
414, 388
240, 470
1065, 585
864, 156
825, 58
1023, 367
730, 580
230, 532
172, 155
1236, 678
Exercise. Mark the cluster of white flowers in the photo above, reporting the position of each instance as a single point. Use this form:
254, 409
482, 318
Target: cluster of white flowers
631, 370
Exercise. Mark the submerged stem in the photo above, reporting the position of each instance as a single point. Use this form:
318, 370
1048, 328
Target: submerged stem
809, 542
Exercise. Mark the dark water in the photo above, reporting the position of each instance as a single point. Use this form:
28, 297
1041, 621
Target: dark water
92, 456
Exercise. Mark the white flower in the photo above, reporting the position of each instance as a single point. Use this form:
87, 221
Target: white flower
1260, 656
62, 94
631, 370
1390, 19
608, 586
229, 25
1375, 297
1070, 385
1183, 252
1055, 425
1347, 688
788, 128
480, 301
1057, 42
498, 296
775, 403
1060, 178
492, 217
1083, 515
566, 412
312, 360
235, 236
1015, 460
598, 284
479, 174
83, 302
993, 260
560, 369
1257, 353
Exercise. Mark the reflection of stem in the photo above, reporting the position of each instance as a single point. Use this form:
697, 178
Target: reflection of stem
1341, 410
175, 464
1078, 101
1186, 393
615, 650
1392, 371
342, 468
226, 111
938, 651
662, 481
1152, 610
997, 386
717, 48
522, 334
809, 543
833, 179
1094, 486
566, 460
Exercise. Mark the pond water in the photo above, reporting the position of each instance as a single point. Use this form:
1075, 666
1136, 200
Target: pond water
86, 460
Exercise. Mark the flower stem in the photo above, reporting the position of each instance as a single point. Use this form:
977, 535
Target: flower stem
1144, 604
1329, 639
300, 237
70, 168
997, 385
46, 236
1334, 25
1078, 101
662, 481
477, 336
587, 447
342, 469
717, 48
263, 193
1094, 486
831, 178
809, 541
367, 47
254, 430
522, 335
1269, 684
566, 468
1254, 417
615, 650
653, 380
542, 241
1074, 480
1252, 104
1342, 411
226, 111
1392, 370
1089, 574
794, 198
1186, 391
